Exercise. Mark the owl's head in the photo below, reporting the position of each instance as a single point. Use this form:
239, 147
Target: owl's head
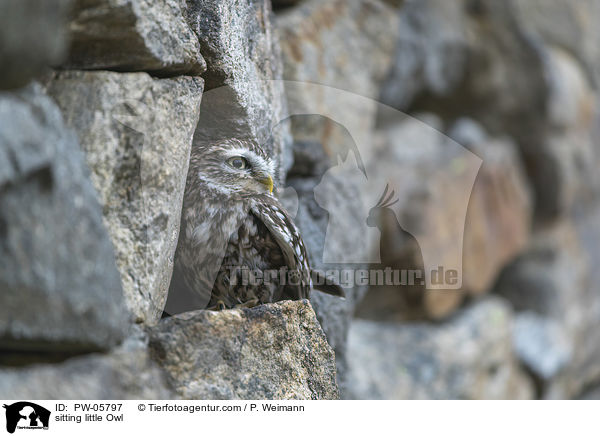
233, 166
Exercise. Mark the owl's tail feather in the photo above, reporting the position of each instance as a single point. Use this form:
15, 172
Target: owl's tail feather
326, 285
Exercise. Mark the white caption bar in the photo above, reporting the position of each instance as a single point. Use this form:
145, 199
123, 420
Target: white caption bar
299, 417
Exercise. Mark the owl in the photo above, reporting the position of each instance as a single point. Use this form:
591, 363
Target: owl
238, 247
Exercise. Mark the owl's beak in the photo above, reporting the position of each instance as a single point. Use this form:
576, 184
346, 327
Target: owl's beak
268, 182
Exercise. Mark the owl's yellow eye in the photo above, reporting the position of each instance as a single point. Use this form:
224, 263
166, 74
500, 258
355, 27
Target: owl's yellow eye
238, 162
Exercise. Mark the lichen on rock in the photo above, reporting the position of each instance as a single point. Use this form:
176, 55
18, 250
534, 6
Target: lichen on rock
273, 351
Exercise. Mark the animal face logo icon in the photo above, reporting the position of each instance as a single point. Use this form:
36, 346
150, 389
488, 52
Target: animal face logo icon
26, 415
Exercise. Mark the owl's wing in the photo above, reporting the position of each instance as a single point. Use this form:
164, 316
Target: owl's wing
286, 234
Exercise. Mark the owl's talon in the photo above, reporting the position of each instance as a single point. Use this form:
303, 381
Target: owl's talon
248, 304
219, 305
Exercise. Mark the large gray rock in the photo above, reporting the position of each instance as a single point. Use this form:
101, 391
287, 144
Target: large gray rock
461, 56
23, 53
274, 351
127, 373
133, 35
136, 132
550, 275
567, 159
60, 288
566, 24
470, 357
430, 53
556, 280
244, 98
541, 344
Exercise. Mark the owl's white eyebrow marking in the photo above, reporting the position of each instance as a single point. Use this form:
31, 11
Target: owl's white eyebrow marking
270, 166
238, 151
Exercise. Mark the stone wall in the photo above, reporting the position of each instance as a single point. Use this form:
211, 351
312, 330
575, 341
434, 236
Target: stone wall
100, 107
